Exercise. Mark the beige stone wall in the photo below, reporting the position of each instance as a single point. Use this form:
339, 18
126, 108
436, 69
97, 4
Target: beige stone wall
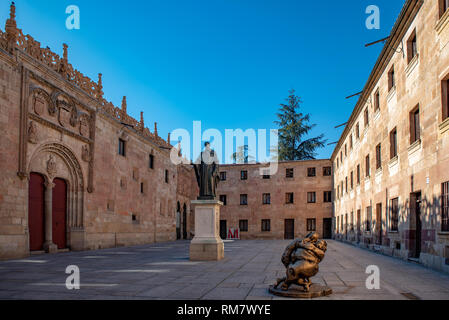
277, 186
421, 166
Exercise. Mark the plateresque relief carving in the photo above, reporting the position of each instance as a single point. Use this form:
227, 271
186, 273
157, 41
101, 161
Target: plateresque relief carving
32, 133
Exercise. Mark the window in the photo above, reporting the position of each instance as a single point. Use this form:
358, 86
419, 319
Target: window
412, 48
243, 199
151, 162
352, 180
327, 171
445, 207
166, 176
266, 225
121, 147
289, 173
243, 225
369, 218
359, 220
327, 196
444, 5
415, 131
266, 198
367, 167
289, 198
223, 176
311, 172
357, 131
352, 220
377, 101
142, 188
346, 184
244, 175
358, 174
311, 197
445, 98
341, 157
346, 150
338, 192
351, 142
311, 225
391, 79
266, 177
394, 217
366, 117
224, 199
378, 156
393, 143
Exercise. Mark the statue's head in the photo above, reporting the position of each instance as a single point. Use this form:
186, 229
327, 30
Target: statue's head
312, 237
207, 145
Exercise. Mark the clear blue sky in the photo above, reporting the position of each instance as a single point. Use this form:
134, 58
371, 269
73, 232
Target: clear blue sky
228, 63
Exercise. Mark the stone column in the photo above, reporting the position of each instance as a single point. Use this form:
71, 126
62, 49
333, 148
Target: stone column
49, 246
207, 244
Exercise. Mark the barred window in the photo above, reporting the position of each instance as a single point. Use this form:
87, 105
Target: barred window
445, 207
327, 171
266, 225
243, 225
311, 172
289, 198
266, 198
311, 225
223, 176
244, 175
327, 196
311, 197
369, 218
121, 147
243, 199
394, 217
289, 173
224, 199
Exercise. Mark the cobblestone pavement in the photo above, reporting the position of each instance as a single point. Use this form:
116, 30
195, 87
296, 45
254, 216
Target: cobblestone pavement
163, 271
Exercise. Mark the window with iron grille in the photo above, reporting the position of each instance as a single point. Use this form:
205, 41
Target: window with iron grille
224, 199
357, 131
289, 198
327, 171
311, 225
311, 172
394, 216
311, 197
366, 117
358, 174
244, 175
243, 199
367, 167
377, 101
266, 198
391, 79
223, 176
352, 180
445, 207
359, 220
289, 173
266, 225
327, 196
243, 225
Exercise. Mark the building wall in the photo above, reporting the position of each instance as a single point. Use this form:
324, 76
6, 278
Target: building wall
277, 186
420, 166
56, 123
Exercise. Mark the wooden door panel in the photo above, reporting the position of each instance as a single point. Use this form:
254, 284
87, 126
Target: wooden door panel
36, 215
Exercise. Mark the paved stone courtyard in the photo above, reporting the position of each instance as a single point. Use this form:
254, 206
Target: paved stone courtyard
163, 271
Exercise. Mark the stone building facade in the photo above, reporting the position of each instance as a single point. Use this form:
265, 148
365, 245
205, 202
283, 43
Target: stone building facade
77, 172
391, 165
291, 203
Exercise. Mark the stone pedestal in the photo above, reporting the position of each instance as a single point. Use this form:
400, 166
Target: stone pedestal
207, 244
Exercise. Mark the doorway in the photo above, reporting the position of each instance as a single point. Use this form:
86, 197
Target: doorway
327, 228
184, 222
36, 216
416, 224
289, 229
59, 212
379, 224
223, 229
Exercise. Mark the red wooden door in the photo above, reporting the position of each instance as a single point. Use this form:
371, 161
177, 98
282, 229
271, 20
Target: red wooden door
59, 213
36, 224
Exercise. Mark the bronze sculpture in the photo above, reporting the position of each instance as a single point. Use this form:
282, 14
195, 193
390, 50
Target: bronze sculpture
301, 259
207, 173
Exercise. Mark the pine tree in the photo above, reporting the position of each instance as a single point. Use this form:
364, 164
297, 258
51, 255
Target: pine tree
293, 126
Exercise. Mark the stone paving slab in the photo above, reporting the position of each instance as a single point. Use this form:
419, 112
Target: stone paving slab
163, 271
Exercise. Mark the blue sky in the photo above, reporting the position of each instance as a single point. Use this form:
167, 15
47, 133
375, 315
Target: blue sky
227, 63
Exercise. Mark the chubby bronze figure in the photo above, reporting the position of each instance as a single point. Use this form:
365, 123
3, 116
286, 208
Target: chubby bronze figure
301, 259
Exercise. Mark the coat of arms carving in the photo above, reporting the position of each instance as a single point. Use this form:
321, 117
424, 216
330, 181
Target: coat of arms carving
39, 104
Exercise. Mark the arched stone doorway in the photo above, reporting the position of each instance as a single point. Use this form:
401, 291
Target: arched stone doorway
62, 183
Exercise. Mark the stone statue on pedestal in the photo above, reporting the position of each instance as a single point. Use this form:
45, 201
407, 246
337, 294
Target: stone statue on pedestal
207, 173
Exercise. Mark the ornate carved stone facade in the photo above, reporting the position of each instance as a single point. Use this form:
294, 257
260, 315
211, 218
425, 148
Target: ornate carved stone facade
56, 125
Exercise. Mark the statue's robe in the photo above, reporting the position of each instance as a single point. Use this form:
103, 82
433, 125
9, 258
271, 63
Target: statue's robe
206, 170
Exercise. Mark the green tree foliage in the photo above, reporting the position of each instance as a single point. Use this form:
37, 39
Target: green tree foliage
293, 128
